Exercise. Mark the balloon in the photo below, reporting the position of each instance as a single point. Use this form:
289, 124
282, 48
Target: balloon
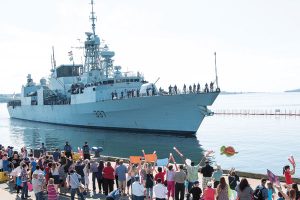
228, 151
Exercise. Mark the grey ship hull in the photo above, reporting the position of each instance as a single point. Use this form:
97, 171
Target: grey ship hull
178, 114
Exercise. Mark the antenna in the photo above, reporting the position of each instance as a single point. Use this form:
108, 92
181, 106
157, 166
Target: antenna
93, 18
54, 62
216, 70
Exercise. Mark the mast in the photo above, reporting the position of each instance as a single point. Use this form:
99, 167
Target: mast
93, 18
216, 69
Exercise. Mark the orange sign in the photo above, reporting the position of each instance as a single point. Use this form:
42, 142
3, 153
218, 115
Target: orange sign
150, 157
135, 159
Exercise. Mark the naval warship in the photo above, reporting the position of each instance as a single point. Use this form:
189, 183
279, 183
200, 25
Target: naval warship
97, 94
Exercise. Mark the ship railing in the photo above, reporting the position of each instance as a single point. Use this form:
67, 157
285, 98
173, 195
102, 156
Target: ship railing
14, 103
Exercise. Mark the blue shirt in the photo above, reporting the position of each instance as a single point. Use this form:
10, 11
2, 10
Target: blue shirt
121, 171
33, 166
56, 156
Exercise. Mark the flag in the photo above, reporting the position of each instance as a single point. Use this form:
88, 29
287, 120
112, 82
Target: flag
70, 53
272, 177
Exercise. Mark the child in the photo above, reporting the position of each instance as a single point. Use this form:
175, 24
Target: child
288, 174
209, 193
52, 195
271, 190
196, 191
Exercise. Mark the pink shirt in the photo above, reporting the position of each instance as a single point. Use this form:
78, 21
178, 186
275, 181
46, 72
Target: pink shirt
209, 194
52, 195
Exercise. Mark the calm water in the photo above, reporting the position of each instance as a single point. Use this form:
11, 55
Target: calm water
263, 142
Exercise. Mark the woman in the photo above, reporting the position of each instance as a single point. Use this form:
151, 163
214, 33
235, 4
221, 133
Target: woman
55, 174
108, 178
149, 182
100, 176
271, 190
222, 190
86, 171
233, 178
170, 181
244, 191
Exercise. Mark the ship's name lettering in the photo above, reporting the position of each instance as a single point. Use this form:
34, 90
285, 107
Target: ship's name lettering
99, 113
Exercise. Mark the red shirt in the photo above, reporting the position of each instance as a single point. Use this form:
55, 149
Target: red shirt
108, 173
160, 175
288, 177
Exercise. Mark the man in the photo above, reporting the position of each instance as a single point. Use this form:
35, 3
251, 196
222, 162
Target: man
56, 155
24, 179
121, 171
43, 149
68, 150
216, 176
74, 183
261, 192
192, 173
160, 191
86, 151
138, 190
79, 169
196, 191
94, 171
206, 171
37, 185
179, 179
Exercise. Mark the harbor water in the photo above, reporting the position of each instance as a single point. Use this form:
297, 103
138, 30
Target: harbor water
263, 142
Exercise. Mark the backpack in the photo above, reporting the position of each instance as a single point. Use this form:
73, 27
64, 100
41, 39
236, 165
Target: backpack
258, 193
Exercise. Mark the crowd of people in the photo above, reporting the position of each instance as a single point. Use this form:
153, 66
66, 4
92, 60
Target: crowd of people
58, 172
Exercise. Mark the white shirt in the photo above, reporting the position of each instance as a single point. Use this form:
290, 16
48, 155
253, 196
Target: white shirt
160, 191
138, 189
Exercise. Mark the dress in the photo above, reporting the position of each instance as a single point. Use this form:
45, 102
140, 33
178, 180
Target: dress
222, 194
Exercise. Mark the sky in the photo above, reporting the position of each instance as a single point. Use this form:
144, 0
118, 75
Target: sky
257, 42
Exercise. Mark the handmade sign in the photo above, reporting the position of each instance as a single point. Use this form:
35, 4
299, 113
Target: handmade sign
179, 153
228, 151
162, 162
292, 160
150, 157
273, 178
135, 159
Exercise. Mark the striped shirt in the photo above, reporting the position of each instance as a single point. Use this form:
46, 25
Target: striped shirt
52, 195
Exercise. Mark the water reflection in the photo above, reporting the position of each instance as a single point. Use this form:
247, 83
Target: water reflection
115, 143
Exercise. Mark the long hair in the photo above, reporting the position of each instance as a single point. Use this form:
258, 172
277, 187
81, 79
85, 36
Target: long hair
222, 183
243, 184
